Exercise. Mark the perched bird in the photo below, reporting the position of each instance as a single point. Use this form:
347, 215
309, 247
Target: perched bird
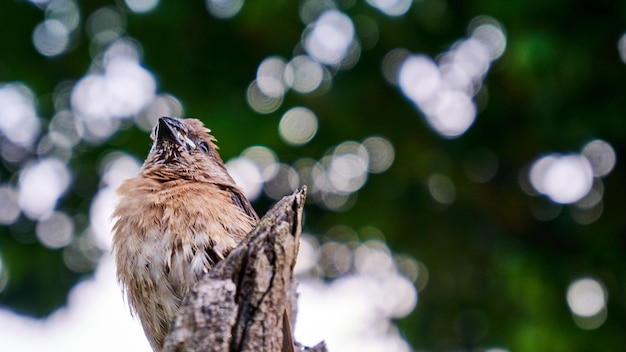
174, 221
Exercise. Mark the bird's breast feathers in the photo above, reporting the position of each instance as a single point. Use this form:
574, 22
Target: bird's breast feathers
169, 234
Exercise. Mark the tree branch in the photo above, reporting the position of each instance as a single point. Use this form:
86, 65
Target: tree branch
246, 301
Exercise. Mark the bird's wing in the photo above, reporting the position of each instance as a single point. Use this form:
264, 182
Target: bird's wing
242, 202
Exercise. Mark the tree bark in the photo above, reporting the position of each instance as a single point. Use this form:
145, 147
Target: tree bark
248, 301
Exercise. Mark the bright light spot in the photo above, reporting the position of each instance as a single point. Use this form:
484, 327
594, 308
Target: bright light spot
4, 276
162, 105
590, 323
40, 186
442, 189
347, 168
349, 313
265, 159
351, 58
124, 90
492, 38
51, 38
594, 196
310, 10
95, 319
444, 91
353, 312
405, 295
54, 145
269, 77
343, 171
381, 154
141, 6
121, 49
307, 255
451, 113
472, 56
330, 38
64, 11
408, 266
61, 95
100, 211
285, 182
82, 254
586, 297
55, 230
373, 258
565, 179
588, 215
423, 276
392, 63
455, 77
246, 175
303, 74
18, 120
538, 171
589, 209
621, 47
305, 167
336, 201
261, 102
91, 104
115, 168
13, 153
298, 126
391, 7
9, 206
62, 129
105, 25
224, 8
490, 33
129, 87
419, 78
601, 156
335, 259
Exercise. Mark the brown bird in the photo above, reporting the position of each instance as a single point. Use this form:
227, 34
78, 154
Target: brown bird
174, 221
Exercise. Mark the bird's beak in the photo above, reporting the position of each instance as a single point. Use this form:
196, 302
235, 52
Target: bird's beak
173, 130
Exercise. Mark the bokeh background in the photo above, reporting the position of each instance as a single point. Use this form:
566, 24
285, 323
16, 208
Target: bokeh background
462, 158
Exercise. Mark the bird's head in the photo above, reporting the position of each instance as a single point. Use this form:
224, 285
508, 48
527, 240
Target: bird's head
184, 149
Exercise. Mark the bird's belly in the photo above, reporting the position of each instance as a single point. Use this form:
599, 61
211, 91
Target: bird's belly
171, 265
160, 274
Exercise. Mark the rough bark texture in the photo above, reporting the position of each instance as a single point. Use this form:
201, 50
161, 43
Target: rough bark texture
248, 301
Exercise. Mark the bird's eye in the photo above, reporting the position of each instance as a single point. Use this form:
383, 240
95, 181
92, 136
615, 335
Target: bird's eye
204, 147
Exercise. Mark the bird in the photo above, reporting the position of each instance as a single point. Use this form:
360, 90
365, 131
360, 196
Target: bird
174, 221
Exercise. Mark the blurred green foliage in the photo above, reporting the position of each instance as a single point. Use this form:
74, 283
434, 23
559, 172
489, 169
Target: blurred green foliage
497, 276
